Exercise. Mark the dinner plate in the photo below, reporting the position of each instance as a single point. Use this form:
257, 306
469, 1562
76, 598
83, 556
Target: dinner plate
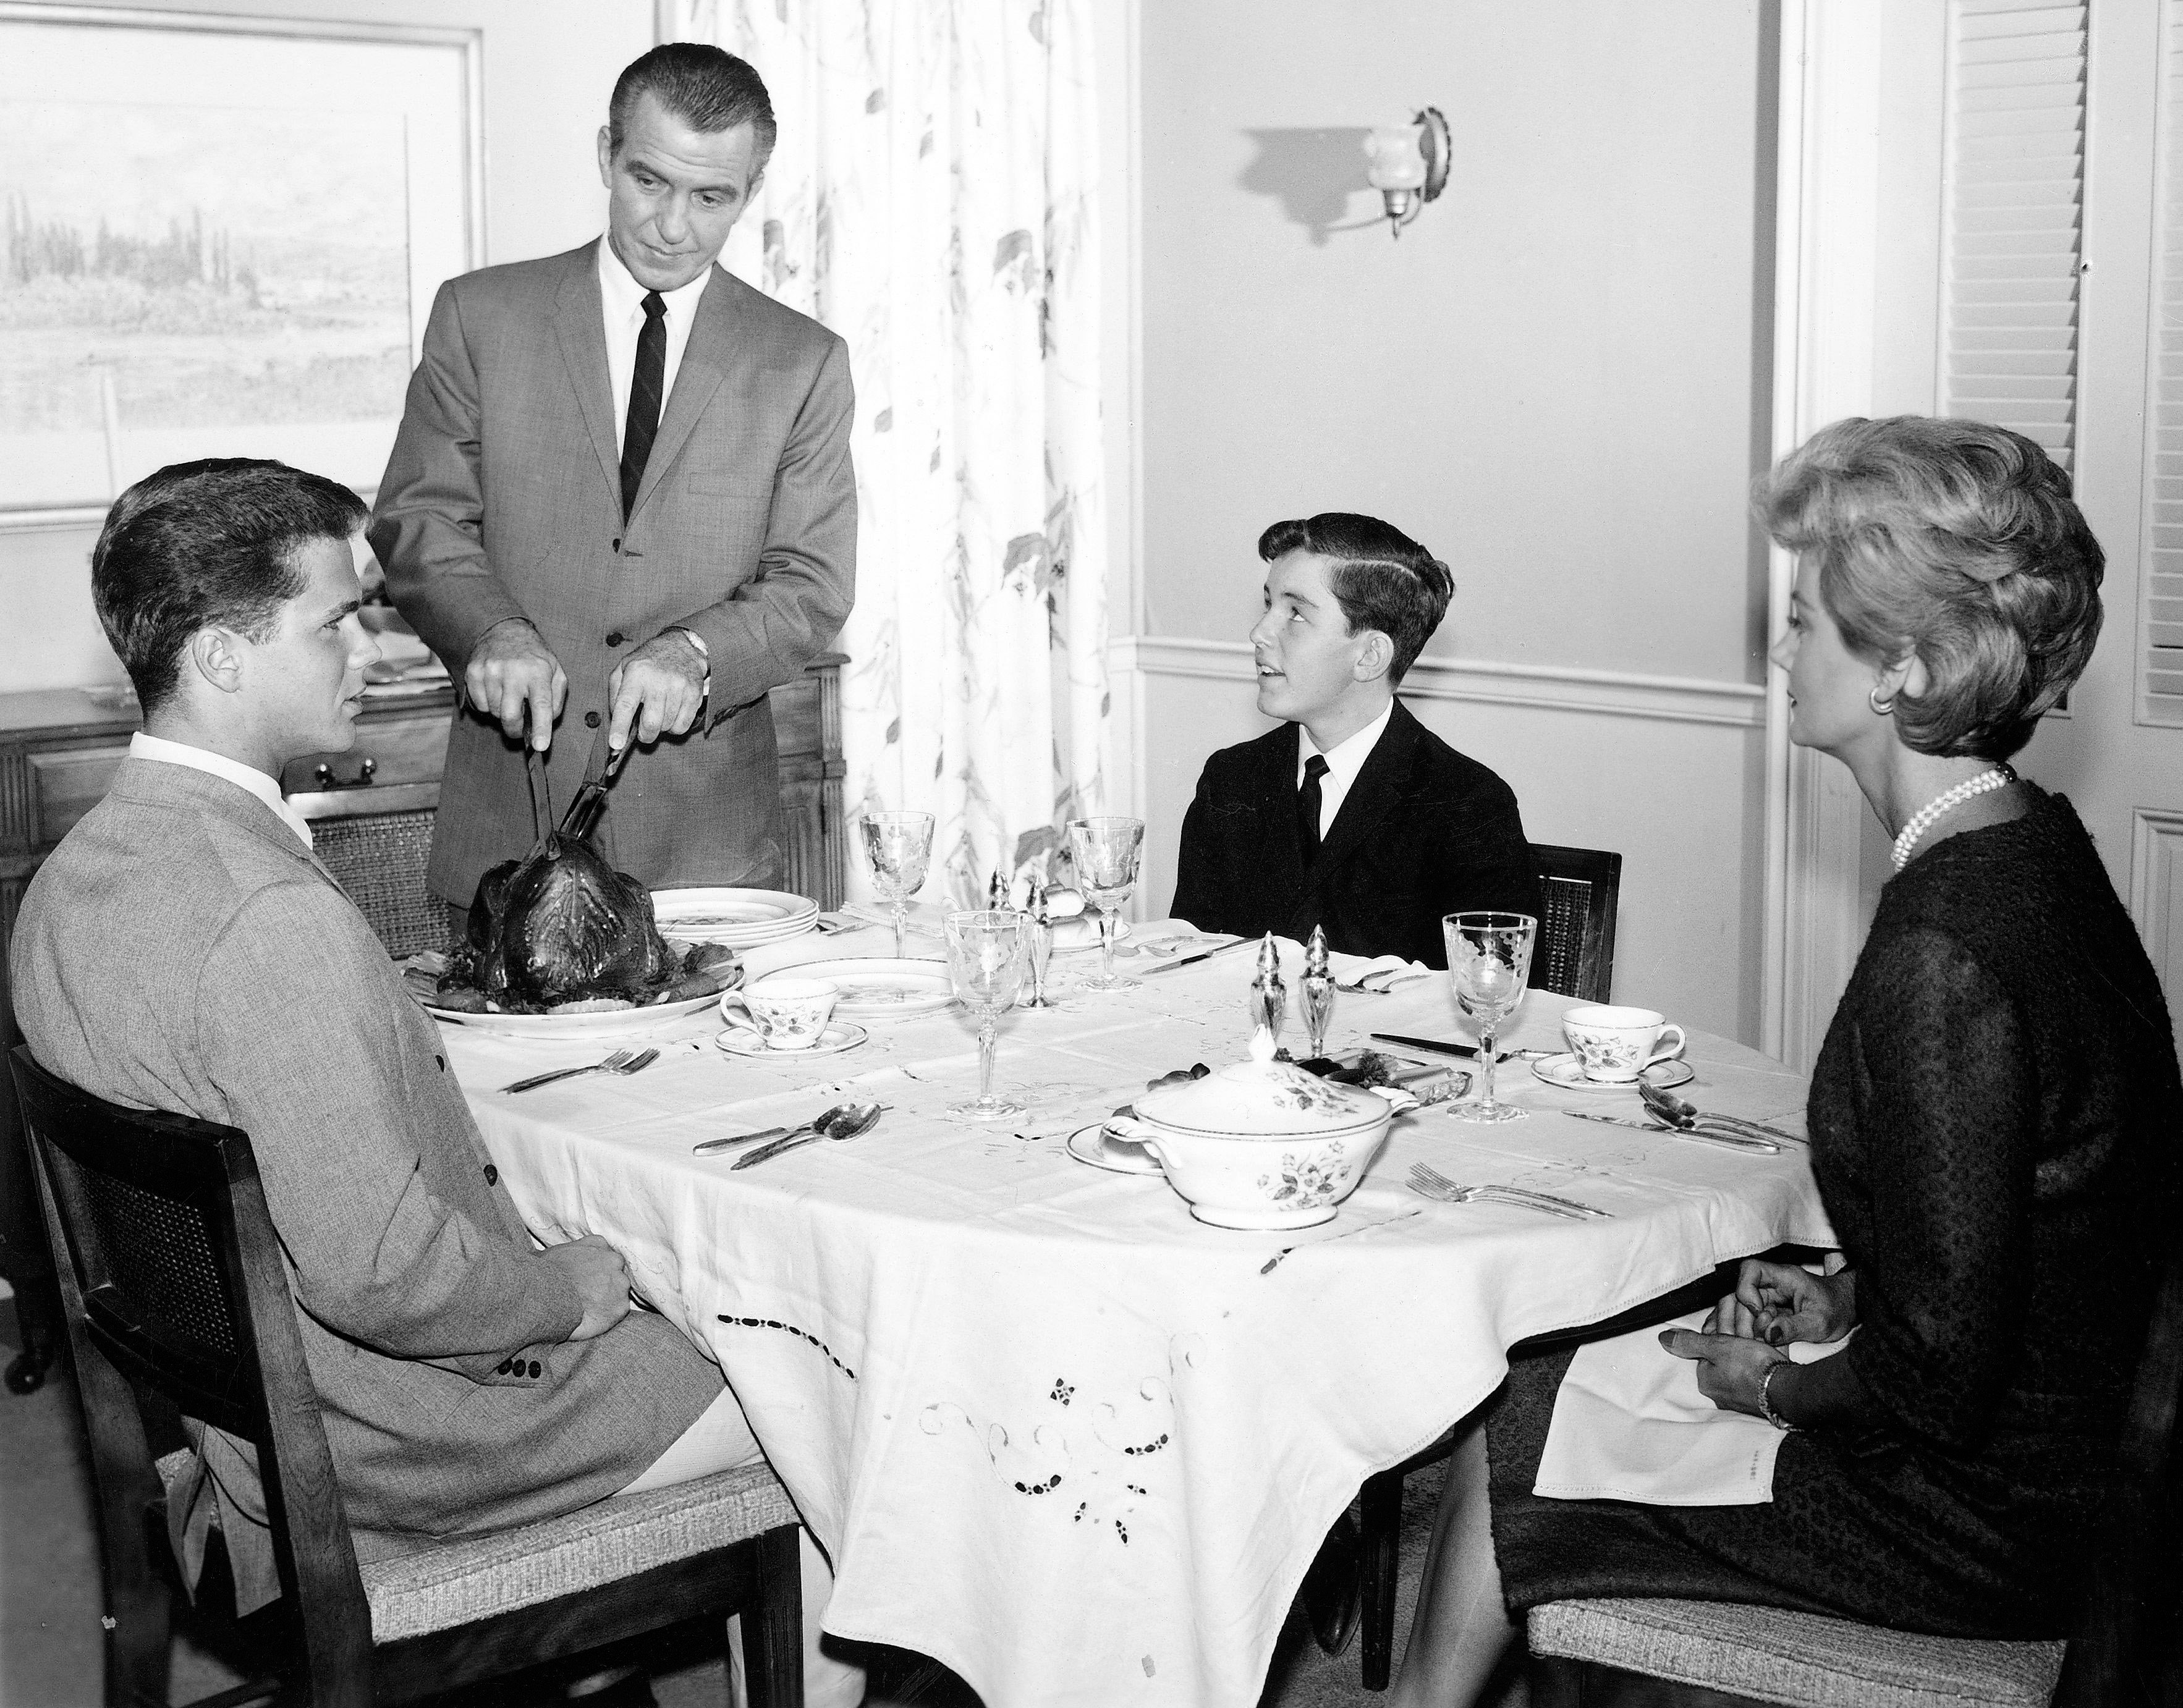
737, 1040
1565, 1071
612, 1023
1082, 932
882, 988
1093, 1145
740, 918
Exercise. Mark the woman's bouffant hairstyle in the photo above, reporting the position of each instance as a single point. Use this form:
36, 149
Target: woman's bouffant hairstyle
207, 545
1957, 541
1382, 578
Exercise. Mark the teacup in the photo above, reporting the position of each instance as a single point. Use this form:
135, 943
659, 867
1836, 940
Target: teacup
1617, 1044
788, 1013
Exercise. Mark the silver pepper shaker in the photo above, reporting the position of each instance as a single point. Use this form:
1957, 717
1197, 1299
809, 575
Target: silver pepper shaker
1269, 996
1317, 992
1040, 928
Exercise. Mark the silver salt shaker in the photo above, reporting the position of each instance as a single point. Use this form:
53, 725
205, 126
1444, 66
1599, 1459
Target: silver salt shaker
1041, 928
1317, 991
1269, 996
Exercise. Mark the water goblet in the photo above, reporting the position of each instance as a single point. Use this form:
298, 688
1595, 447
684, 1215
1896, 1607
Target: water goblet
1489, 962
1106, 851
899, 845
985, 960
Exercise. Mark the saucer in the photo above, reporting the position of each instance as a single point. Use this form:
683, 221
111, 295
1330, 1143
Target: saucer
739, 1040
1567, 1072
1092, 1145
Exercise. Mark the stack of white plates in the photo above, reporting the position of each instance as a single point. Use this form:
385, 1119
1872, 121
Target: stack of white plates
740, 918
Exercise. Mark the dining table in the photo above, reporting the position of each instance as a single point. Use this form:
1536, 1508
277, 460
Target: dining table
1051, 1429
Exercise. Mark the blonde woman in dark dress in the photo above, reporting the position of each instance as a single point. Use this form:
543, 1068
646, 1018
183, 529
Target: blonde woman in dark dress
1994, 1119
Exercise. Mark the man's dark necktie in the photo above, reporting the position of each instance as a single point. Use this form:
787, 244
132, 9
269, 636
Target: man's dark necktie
645, 382
1308, 807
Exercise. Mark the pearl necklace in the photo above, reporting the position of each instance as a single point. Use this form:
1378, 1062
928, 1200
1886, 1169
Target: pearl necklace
1927, 816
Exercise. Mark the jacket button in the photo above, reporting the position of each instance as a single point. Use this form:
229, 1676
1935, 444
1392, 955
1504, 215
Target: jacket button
501, 1368
614, 639
534, 1366
617, 544
442, 1061
491, 1175
591, 720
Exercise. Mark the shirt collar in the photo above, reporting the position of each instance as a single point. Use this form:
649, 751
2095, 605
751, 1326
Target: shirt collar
1346, 758
624, 297
154, 747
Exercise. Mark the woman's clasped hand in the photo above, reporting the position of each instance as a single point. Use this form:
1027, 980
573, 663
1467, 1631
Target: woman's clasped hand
1773, 1305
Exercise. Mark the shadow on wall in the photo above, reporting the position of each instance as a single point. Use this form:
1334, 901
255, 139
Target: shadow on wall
1314, 172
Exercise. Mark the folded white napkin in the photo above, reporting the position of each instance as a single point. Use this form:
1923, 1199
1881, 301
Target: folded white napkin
1629, 1424
1388, 970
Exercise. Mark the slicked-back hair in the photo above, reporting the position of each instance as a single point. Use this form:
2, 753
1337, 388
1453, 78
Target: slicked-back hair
1958, 542
706, 88
202, 545
1382, 578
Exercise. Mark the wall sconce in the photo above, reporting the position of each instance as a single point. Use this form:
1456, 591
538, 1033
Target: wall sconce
1409, 165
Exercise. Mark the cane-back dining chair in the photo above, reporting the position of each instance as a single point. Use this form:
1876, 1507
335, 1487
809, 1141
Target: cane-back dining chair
172, 1285
1573, 956
2123, 1652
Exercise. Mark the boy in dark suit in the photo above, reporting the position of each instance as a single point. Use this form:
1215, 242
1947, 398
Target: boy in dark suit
1352, 815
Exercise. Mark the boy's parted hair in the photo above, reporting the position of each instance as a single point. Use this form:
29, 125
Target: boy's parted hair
1382, 578
207, 545
1957, 542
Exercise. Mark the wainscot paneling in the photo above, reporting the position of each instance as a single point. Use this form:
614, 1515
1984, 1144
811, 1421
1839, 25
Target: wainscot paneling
2156, 899
1668, 770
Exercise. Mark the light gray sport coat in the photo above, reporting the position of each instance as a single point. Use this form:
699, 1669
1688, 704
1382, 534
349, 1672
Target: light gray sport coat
502, 498
181, 951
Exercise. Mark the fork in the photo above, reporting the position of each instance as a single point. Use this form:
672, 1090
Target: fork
621, 1062
1364, 986
1429, 1182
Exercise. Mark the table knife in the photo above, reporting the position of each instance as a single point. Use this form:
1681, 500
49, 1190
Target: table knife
1202, 954
1727, 1139
1466, 1049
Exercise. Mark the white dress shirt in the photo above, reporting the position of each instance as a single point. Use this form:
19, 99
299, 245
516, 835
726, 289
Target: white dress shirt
266, 789
1344, 760
621, 299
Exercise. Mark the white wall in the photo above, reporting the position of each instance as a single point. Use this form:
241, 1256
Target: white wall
549, 68
1556, 380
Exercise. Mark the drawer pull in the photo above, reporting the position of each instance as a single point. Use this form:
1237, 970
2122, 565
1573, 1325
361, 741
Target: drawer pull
325, 778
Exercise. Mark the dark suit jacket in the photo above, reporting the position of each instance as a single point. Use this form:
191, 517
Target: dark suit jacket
502, 498
1423, 832
181, 951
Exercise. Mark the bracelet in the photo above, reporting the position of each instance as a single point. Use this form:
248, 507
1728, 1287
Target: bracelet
1766, 1399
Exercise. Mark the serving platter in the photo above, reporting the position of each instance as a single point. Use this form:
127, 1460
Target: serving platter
612, 1023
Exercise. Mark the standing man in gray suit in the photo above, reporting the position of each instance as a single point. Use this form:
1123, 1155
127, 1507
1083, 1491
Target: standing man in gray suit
621, 493
184, 949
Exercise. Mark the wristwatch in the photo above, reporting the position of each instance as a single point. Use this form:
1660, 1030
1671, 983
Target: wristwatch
1766, 1398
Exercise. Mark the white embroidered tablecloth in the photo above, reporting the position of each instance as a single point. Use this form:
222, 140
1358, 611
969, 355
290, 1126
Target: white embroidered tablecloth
1054, 1432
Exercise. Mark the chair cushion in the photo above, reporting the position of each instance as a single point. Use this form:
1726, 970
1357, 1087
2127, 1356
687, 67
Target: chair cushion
1797, 1658
440, 1585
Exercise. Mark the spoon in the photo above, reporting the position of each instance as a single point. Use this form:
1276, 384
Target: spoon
846, 1121
1678, 1113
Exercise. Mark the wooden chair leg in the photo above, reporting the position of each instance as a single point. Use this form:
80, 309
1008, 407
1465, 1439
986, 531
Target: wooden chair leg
1379, 1526
773, 1629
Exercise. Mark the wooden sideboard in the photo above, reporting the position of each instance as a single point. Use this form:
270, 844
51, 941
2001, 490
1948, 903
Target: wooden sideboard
371, 809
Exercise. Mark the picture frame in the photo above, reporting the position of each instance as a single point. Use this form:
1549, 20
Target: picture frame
219, 237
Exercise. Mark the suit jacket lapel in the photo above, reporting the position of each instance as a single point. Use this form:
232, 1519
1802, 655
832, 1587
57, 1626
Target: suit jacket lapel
705, 359
1372, 795
579, 322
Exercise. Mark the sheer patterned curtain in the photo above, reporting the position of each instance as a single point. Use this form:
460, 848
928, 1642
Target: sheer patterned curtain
931, 199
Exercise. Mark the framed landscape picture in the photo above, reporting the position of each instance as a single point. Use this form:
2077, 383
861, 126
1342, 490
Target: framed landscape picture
219, 237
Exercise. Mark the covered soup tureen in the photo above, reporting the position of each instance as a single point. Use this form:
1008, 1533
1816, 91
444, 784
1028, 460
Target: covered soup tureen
1262, 1144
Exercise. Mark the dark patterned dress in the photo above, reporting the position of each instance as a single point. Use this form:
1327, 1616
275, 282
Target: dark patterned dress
1994, 1122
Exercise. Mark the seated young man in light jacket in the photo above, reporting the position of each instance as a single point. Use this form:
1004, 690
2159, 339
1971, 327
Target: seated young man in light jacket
1352, 815
184, 949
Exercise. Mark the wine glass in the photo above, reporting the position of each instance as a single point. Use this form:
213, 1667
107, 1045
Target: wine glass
1489, 961
898, 844
985, 960
1106, 851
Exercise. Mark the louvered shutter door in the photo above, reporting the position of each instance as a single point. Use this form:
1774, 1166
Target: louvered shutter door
2013, 199
2160, 627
